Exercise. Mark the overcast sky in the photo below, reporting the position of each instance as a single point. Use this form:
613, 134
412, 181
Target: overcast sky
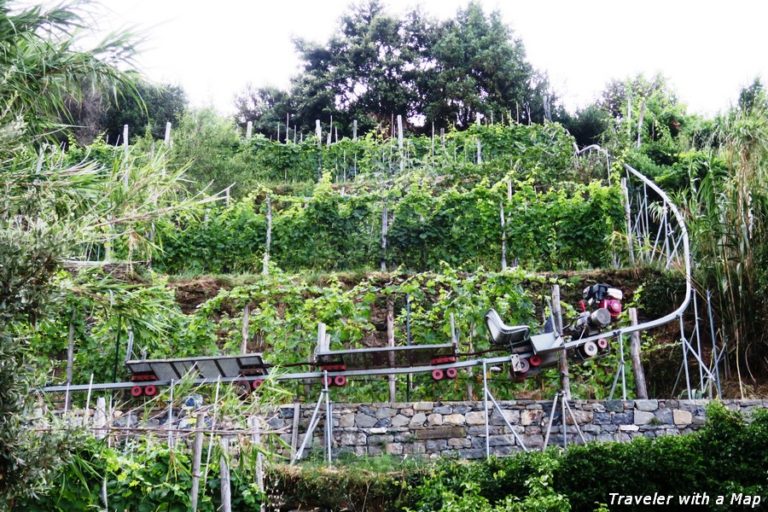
707, 49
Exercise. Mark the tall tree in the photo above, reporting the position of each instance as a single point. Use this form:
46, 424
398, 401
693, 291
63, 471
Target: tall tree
379, 66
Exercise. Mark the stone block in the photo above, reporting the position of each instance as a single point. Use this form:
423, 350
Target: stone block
443, 409
472, 453
444, 432
435, 419
457, 443
436, 445
364, 420
422, 406
394, 449
664, 416
643, 418
386, 412
646, 405
602, 418
383, 422
581, 417
629, 428
501, 440
407, 411
400, 421
380, 439
533, 441
513, 417
475, 418
347, 420
453, 419
531, 417
681, 417
418, 420
352, 439
622, 418
614, 406
414, 448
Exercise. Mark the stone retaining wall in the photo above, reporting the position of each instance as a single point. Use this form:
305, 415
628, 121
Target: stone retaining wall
432, 429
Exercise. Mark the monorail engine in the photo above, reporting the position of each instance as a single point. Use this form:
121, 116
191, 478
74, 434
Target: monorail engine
600, 306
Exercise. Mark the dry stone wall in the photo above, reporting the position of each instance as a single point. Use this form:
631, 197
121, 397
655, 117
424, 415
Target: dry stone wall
457, 429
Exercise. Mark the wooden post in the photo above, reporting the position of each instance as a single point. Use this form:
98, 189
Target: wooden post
224, 477
442, 137
432, 146
400, 141
557, 314
125, 155
278, 133
330, 133
391, 344
354, 130
336, 134
253, 423
287, 126
640, 123
244, 329
249, 130
70, 357
628, 218
295, 428
167, 138
318, 133
634, 351
197, 456
503, 239
100, 418
477, 141
265, 266
384, 228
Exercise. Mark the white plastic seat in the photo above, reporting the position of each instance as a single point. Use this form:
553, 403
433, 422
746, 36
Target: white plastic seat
503, 334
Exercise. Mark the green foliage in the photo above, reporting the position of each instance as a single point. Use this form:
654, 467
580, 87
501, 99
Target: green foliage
378, 66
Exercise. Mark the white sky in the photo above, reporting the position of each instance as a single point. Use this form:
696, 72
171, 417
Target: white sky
707, 49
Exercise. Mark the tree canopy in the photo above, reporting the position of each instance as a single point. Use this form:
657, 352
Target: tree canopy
378, 66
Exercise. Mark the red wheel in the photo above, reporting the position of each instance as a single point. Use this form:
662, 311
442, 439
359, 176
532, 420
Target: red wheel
535, 360
257, 383
437, 374
451, 373
150, 390
602, 343
136, 391
340, 380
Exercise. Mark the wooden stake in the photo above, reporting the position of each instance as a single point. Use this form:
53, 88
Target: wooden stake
295, 428
167, 138
265, 266
400, 142
634, 351
249, 130
391, 344
125, 155
197, 457
557, 314
70, 357
384, 219
245, 328
253, 423
226, 490
354, 130
503, 240
318, 133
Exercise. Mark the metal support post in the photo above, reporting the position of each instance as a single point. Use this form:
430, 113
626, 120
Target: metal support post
485, 408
